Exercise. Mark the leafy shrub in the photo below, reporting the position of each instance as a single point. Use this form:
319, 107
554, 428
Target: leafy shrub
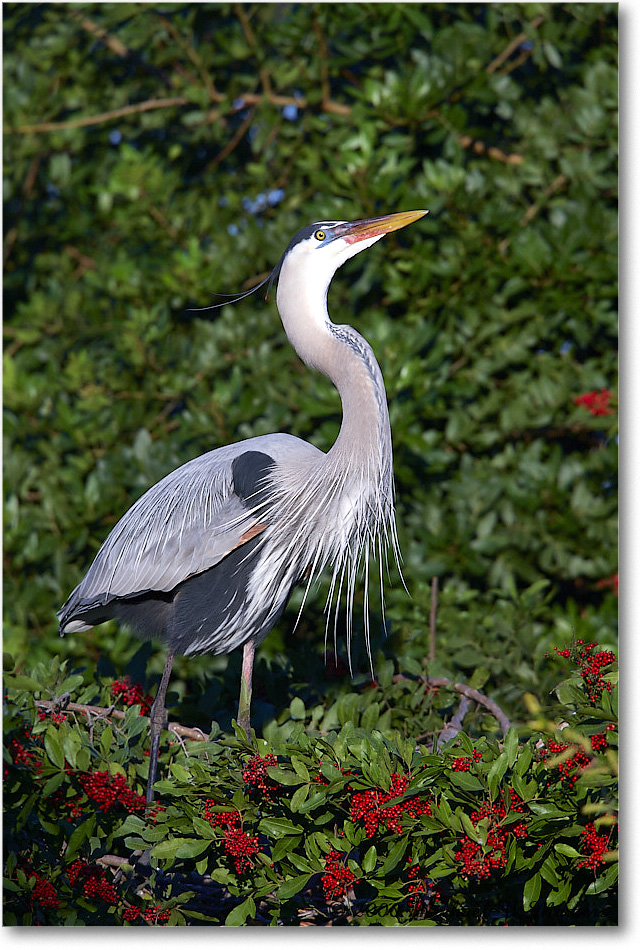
157, 154
359, 826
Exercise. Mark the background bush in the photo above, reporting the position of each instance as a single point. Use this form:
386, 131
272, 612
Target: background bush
155, 155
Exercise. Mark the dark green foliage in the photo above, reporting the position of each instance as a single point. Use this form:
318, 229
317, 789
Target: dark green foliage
355, 824
158, 154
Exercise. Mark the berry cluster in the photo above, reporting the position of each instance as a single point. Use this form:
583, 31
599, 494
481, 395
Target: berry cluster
221, 819
44, 893
22, 756
156, 915
131, 694
367, 806
599, 742
596, 845
337, 878
465, 764
592, 665
51, 714
479, 861
256, 778
153, 811
596, 402
568, 770
421, 891
93, 881
109, 791
239, 845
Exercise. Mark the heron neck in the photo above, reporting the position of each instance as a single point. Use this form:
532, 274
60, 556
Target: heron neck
343, 355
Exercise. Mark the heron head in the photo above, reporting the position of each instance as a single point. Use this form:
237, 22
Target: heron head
319, 249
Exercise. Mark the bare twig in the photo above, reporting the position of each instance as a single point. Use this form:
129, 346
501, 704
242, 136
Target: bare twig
512, 46
110, 41
112, 861
456, 724
534, 209
213, 115
101, 117
508, 158
100, 712
84, 263
468, 691
234, 141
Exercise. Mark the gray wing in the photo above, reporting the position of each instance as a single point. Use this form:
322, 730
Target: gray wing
183, 525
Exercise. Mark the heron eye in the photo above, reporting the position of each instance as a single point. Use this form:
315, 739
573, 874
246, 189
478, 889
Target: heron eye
319, 235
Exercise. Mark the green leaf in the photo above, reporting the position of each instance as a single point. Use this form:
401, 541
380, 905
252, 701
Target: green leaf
369, 860
395, 855
277, 827
106, 739
496, 773
53, 748
300, 768
511, 745
21, 682
297, 708
71, 745
180, 773
532, 890
167, 849
285, 846
567, 850
604, 881
314, 801
78, 837
52, 784
299, 798
282, 776
523, 761
238, 916
466, 781
292, 886
192, 848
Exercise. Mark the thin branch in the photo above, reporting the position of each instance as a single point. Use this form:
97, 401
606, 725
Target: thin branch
510, 158
108, 712
468, 691
456, 724
110, 41
102, 117
536, 207
213, 115
234, 141
512, 46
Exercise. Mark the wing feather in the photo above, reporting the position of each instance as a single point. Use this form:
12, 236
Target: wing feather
182, 526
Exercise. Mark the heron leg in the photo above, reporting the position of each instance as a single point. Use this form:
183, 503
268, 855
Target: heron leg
245, 699
157, 719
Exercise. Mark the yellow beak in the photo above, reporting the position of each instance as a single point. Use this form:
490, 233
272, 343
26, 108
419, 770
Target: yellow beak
374, 227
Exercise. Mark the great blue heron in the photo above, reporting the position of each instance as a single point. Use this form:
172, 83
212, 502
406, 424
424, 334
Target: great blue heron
207, 558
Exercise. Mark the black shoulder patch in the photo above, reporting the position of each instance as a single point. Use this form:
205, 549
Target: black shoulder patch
249, 471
